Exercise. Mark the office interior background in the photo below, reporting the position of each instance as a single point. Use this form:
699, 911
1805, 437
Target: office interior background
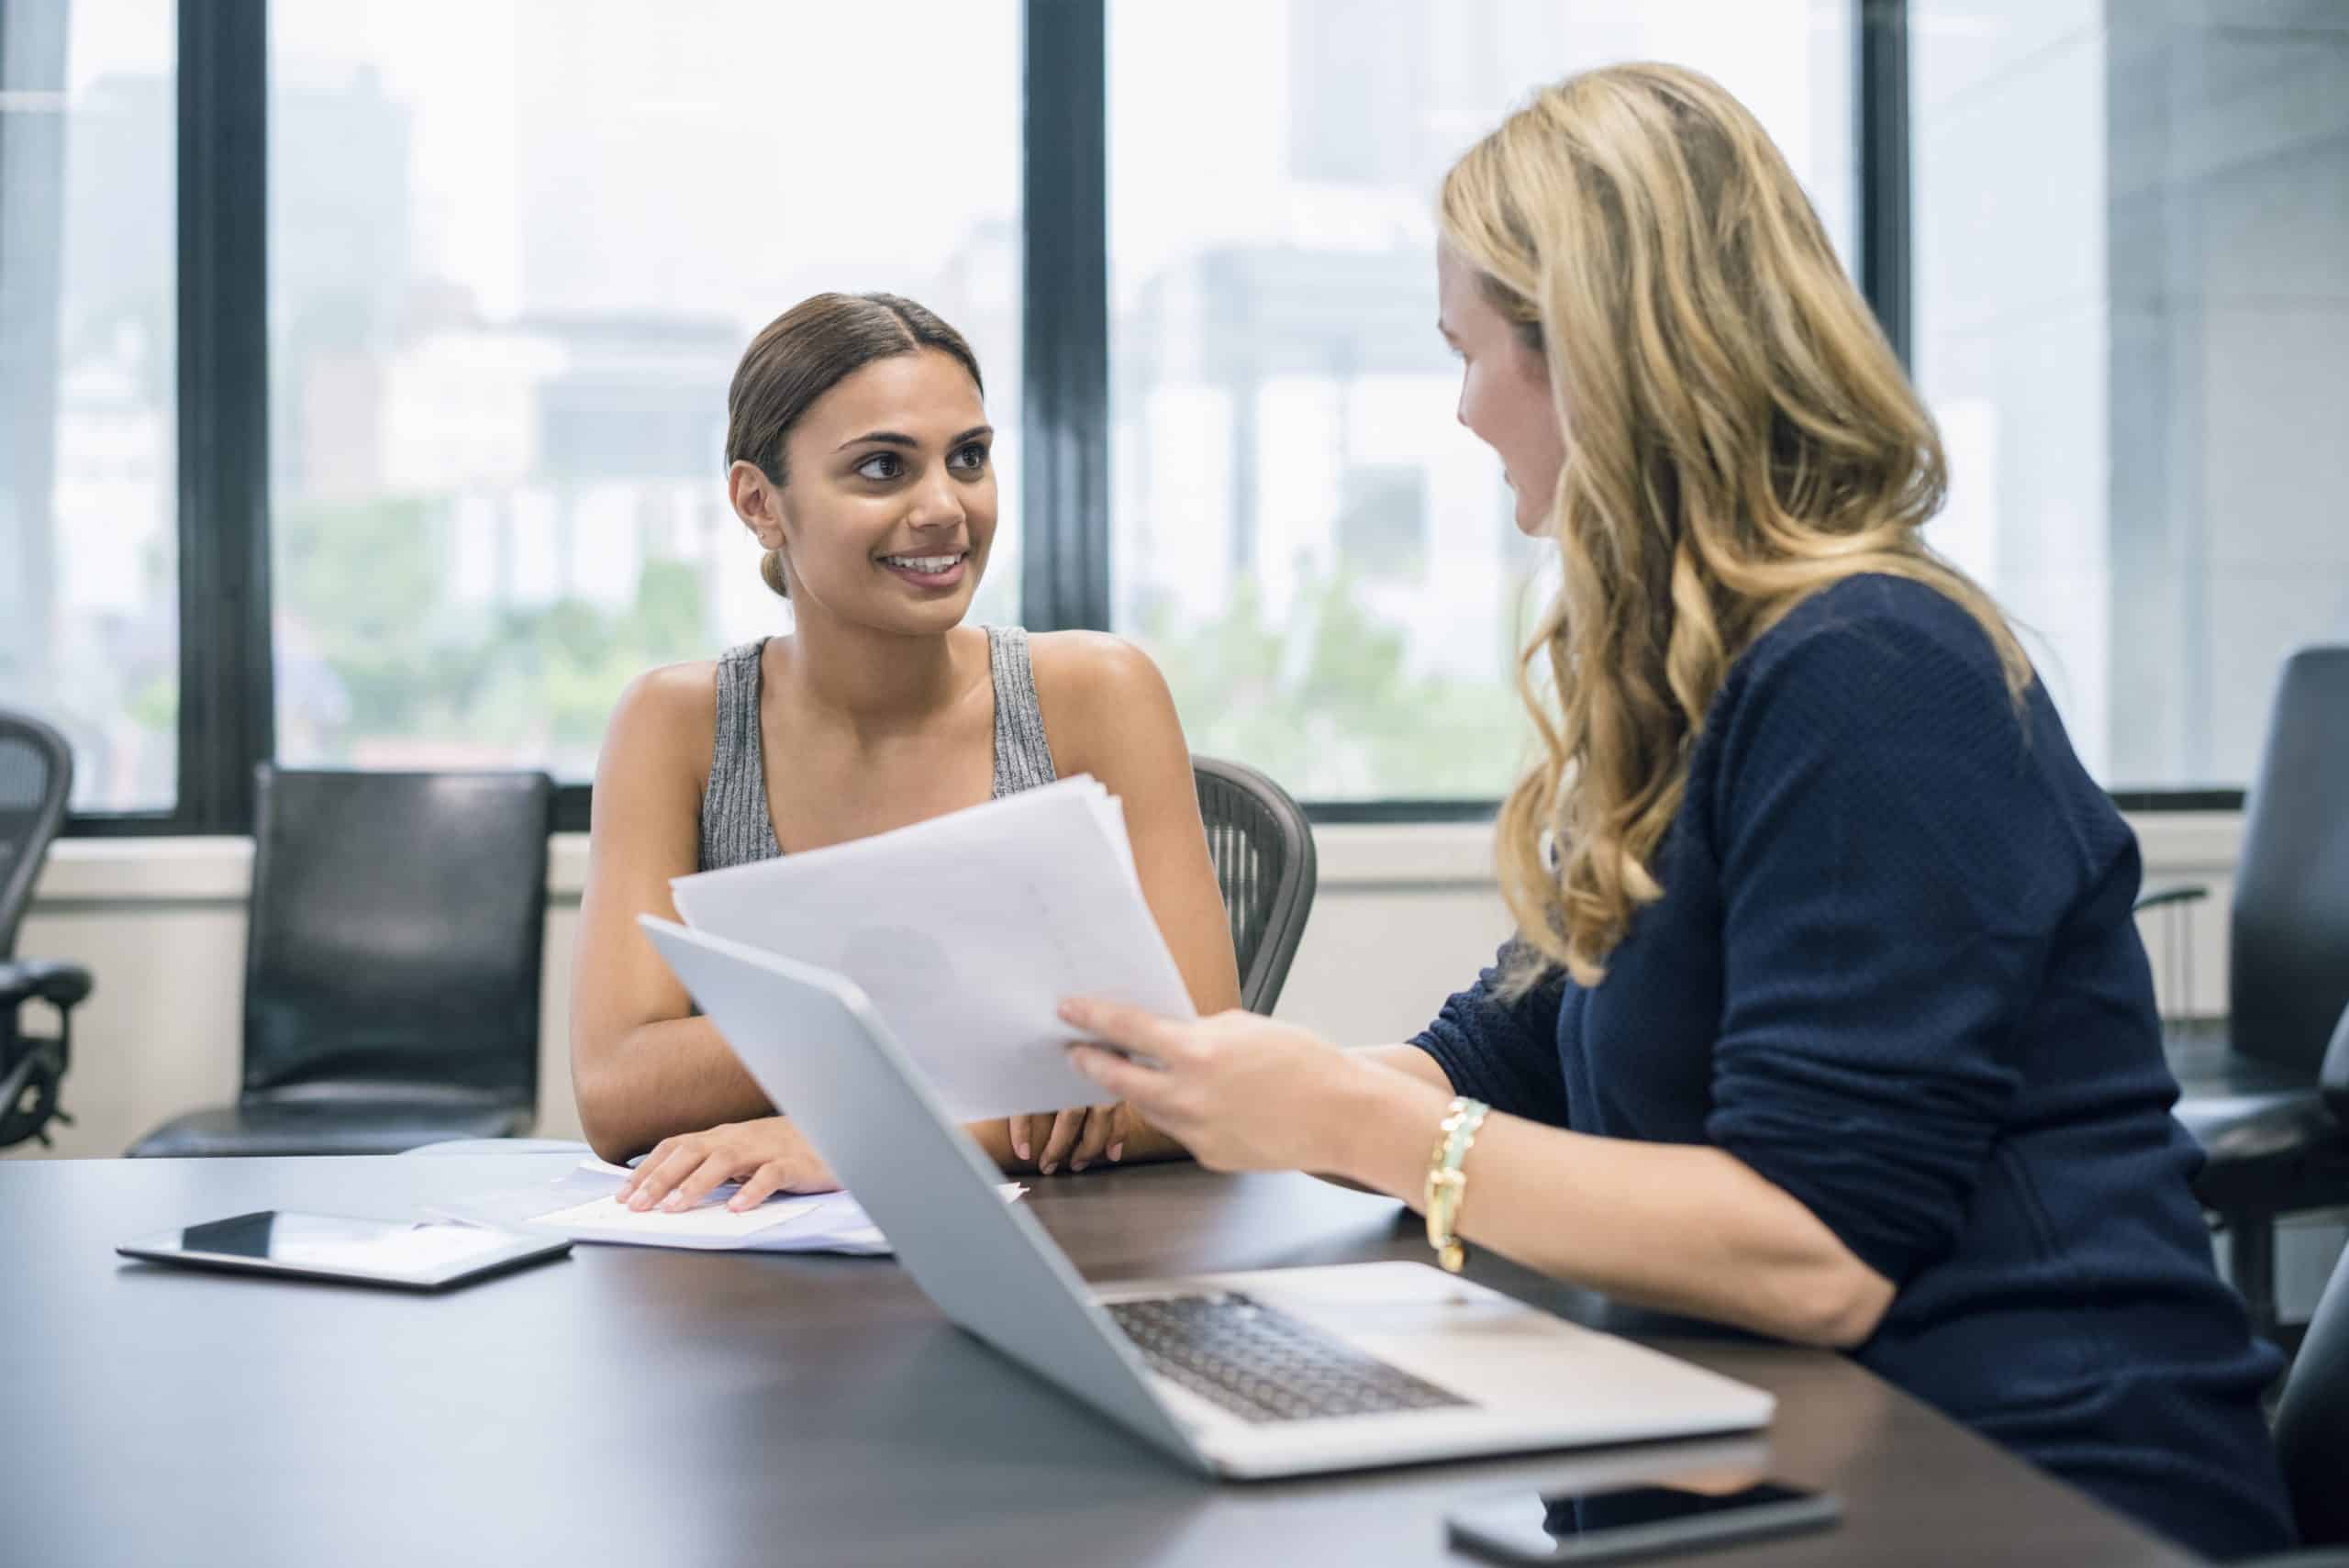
363, 400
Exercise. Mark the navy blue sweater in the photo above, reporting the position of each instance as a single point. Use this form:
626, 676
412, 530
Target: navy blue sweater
1894, 971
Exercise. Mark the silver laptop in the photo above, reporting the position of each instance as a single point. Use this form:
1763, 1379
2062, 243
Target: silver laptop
1280, 1372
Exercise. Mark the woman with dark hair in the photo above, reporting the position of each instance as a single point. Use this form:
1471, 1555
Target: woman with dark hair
858, 455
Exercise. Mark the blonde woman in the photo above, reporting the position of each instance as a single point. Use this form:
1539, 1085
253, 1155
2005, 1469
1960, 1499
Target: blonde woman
1827, 1017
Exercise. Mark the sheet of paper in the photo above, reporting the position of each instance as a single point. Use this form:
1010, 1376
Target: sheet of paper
581, 1204
966, 931
709, 1221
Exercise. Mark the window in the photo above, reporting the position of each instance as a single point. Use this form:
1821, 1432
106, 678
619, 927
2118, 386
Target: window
511, 250
510, 283
89, 578
2132, 322
1318, 556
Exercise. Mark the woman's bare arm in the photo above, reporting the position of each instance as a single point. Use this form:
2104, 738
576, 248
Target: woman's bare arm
1110, 707
641, 1067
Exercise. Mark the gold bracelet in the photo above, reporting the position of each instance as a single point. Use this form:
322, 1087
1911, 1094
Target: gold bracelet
1447, 1184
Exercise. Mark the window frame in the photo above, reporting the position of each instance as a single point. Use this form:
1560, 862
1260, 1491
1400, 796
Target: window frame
226, 708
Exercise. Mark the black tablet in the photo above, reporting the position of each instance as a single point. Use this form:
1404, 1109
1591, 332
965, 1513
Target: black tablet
427, 1254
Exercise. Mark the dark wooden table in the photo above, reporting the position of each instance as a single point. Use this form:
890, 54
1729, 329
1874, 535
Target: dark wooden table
654, 1407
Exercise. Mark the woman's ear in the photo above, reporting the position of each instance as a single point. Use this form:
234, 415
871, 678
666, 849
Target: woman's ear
758, 501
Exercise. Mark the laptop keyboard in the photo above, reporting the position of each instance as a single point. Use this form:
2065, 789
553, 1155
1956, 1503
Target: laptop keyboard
1262, 1364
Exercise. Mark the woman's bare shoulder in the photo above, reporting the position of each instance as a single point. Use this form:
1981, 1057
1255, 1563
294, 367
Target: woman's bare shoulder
1104, 701
1095, 669
664, 725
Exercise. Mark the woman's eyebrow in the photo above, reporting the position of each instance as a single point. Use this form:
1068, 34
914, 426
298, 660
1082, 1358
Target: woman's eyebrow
898, 439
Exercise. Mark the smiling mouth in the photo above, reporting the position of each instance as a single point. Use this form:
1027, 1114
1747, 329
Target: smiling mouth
927, 565
935, 573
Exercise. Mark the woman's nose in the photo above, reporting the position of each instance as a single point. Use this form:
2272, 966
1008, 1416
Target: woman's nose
936, 506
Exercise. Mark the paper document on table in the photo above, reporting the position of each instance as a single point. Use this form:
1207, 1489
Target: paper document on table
967, 932
710, 1221
581, 1204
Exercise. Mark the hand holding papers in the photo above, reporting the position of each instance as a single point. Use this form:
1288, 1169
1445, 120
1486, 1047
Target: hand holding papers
966, 931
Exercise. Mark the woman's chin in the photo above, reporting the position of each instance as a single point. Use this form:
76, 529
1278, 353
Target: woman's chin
926, 616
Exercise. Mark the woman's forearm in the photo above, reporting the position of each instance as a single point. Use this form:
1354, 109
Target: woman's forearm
661, 1079
1682, 1227
679, 1076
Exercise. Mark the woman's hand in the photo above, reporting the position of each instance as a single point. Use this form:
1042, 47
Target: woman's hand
1241, 1092
1079, 1137
769, 1155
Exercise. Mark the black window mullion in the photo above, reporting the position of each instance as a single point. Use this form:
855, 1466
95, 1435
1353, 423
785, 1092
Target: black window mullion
226, 711
1881, 146
1064, 264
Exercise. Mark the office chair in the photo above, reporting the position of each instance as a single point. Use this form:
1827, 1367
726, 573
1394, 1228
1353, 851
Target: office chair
2249, 1088
36, 780
2313, 1420
392, 971
1265, 868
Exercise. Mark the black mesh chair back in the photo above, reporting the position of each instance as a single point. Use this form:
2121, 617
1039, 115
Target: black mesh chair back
35, 777
397, 922
2312, 1420
2289, 953
1262, 848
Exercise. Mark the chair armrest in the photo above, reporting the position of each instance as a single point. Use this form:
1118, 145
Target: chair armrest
54, 980
2175, 892
2333, 1078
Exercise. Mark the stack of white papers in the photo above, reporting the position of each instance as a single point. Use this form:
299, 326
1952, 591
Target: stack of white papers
582, 1204
967, 932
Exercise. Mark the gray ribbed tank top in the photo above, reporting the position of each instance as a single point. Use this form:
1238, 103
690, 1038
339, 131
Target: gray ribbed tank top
735, 827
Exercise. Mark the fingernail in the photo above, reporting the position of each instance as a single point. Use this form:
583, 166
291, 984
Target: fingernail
1117, 1152
1050, 1167
640, 1202
1023, 1147
674, 1202
1076, 1164
1072, 1011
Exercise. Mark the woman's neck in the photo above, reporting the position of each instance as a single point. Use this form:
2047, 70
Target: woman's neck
869, 680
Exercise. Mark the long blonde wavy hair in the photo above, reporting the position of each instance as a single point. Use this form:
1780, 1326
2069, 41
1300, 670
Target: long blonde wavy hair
1738, 436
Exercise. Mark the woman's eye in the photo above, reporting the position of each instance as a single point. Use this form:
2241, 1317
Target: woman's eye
972, 457
882, 465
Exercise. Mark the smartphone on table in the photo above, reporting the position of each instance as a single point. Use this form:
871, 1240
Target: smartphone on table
1612, 1524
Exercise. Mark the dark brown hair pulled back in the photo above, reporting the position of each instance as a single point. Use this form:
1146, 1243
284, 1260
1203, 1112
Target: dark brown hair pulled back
807, 351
